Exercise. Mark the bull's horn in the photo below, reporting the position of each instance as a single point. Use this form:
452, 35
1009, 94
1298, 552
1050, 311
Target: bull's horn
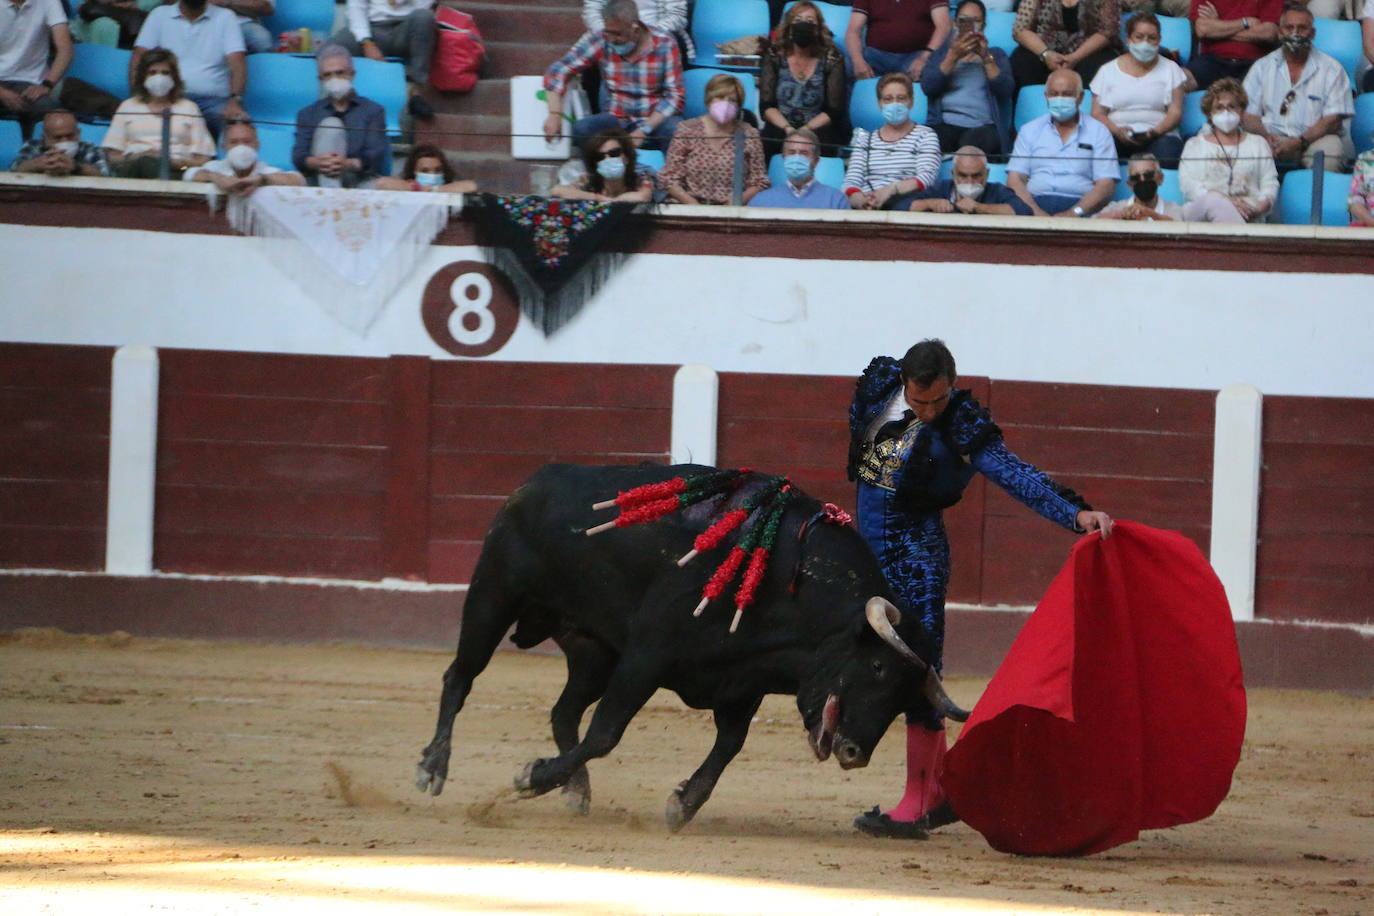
882, 616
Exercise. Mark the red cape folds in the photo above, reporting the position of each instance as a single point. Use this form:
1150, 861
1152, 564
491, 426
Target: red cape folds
1119, 708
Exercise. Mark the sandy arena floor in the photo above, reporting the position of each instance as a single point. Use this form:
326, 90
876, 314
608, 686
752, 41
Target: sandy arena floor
169, 776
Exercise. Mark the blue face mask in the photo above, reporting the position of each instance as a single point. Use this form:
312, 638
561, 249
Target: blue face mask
611, 168
796, 167
896, 112
1062, 109
429, 179
622, 49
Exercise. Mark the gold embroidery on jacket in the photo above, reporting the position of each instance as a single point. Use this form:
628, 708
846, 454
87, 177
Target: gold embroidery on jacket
881, 465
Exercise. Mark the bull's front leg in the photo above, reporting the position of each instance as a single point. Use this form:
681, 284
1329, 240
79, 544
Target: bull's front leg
732, 727
631, 686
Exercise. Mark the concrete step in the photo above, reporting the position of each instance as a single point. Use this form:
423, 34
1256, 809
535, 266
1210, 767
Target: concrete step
488, 97
541, 23
506, 59
467, 133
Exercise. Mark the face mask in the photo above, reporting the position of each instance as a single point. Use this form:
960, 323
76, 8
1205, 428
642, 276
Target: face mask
612, 168
895, 113
1143, 51
623, 48
723, 111
1296, 44
804, 34
796, 167
338, 87
970, 190
1061, 108
66, 147
241, 158
159, 85
1145, 188
1226, 121
429, 179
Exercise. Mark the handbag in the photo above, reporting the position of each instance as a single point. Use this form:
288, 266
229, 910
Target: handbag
458, 51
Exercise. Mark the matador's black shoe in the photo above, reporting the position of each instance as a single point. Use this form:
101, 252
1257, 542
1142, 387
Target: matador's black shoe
875, 823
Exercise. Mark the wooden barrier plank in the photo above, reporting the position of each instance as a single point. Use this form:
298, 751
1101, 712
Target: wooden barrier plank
54, 455
59, 503
38, 410
1108, 407
499, 473
761, 395
493, 384
1322, 421
1312, 510
1343, 466
272, 466
225, 553
277, 512
54, 366
462, 517
453, 560
286, 375
1345, 600
538, 429
36, 547
1066, 452
303, 421
405, 529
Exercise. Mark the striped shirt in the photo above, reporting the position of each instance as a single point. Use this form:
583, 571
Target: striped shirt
647, 81
876, 163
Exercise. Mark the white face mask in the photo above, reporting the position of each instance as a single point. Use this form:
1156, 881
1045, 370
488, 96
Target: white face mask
970, 190
159, 85
1143, 51
66, 147
338, 87
1226, 121
241, 158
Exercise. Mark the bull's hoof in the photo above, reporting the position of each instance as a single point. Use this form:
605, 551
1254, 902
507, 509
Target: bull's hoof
676, 813
528, 783
577, 794
429, 782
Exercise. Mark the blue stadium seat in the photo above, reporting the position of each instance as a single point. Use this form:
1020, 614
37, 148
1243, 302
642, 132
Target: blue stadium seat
998, 30
1295, 199
1193, 118
865, 112
10, 140
1341, 39
1362, 125
1030, 104
382, 81
315, 15
716, 21
1170, 190
997, 172
653, 158
274, 144
279, 86
1176, 34
103, 67
830, 170
694, 84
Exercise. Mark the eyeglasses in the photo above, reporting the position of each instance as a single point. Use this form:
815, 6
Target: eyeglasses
1287, 100
608, 154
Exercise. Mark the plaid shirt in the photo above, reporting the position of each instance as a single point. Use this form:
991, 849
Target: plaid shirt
86, 154
648, 81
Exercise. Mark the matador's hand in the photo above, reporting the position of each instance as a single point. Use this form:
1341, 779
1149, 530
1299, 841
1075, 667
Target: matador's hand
1089, 522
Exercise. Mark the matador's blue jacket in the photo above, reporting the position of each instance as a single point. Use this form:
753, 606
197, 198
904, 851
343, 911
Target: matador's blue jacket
948, 452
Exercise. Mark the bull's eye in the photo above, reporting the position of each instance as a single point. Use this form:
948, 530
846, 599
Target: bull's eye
878, 668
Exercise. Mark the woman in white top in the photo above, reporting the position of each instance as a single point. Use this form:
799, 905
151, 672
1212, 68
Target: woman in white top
1139, 96
133, 141
1227, 175
898, 159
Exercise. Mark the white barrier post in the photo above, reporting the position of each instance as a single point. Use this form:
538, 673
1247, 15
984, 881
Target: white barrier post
133, 461
696, 401
1236, 459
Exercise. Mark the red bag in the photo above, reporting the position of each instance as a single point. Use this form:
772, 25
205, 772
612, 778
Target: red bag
458, 51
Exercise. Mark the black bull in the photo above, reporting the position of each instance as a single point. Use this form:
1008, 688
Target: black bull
620, 607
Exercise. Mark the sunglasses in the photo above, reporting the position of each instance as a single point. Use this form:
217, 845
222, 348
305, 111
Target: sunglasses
1287, 100
609, 154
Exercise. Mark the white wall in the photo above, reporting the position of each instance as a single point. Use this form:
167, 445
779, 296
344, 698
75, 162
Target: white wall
1283, 333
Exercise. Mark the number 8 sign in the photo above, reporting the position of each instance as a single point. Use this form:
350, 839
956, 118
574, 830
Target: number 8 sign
470, 308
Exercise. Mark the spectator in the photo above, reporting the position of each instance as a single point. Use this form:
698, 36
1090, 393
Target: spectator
378, 29
1232, 35
1177, 8
340, 139
240, 172
800, 153
701, 160
969, 191
249, 14
900, 36
1362, 190
1139, 96
208, 44
427, 169
802, 82
612, 172
1300, 98
1052, 35
60, 150
969, 86
901, 157
1064, 164
642, 71
665, 15
1367, 31
1144, 176
1227, 175
126, 15
27, 77
133, 142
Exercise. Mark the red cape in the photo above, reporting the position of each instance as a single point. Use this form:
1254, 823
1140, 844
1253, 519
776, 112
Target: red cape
1119, 708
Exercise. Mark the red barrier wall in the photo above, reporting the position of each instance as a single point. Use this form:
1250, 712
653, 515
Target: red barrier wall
1316, 532
54, 455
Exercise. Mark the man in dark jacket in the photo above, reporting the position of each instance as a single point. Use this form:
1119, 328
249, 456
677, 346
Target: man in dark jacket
915, 443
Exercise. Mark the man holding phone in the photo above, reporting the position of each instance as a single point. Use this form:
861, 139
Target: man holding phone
968, 86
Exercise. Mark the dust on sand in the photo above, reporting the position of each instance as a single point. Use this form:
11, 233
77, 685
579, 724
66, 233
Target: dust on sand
211, 778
